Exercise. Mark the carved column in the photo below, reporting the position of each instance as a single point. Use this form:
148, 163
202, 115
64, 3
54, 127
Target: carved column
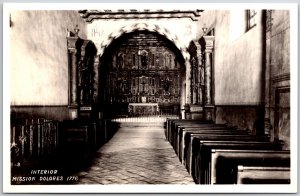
208, 108
194, 83
188, 82
96, 80
200, 75
187, 103
183, 96
73, 79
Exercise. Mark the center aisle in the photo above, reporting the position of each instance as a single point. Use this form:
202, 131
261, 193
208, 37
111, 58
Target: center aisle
137, 154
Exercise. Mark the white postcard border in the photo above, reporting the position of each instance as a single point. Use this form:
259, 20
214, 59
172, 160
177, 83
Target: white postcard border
8, 188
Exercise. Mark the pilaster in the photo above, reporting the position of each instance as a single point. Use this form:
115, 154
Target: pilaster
72, 42
208, 107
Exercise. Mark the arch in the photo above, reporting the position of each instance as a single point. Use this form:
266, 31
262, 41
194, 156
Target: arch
107, 64
140, 27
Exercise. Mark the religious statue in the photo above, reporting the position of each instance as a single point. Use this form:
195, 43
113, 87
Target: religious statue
120, 60
144, 59
166, 85
85, 81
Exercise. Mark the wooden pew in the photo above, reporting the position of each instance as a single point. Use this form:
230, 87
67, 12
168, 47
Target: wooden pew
263, 175
173, 134
174, 126
170, 123
184, 137
177, 135
224, 162
189, 137
34, 139
202, 150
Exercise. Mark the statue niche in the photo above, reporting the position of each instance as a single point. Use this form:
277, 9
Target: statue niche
144, 59
120, 60
166, 84
86, 74
122, 86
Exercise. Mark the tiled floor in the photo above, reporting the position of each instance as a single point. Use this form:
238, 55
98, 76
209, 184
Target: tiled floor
136, 154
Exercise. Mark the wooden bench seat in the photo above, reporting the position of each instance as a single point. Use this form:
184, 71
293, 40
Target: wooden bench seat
182, 133
200, 157
177, 134
173, 133
170, 123
184, 137
190, 138
212, 153
263, 175
224, 163
175, 125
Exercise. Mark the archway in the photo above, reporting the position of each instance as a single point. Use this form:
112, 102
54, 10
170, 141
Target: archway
141, 73
182, 47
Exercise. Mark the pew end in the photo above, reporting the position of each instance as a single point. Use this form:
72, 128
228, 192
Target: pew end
263, 175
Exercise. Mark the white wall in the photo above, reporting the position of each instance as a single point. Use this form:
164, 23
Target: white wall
38, 60
238, 57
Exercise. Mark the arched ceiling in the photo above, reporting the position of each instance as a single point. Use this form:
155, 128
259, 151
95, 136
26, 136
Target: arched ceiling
144, 26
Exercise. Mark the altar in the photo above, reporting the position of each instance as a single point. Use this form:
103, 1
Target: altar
143, 109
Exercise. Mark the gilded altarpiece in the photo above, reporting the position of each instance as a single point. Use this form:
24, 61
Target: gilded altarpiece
144, 69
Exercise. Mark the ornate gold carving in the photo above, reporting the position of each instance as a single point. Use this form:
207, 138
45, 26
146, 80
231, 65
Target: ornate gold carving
152, 75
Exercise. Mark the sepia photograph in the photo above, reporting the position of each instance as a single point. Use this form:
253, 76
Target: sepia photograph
159, 98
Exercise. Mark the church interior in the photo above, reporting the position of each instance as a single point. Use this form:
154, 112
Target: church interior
209, 88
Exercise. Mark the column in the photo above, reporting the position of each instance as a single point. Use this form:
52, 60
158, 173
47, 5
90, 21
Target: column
96, 80
208, 108
183, 96
207, 78
187, 90
194, 82
267, 30
73, 77
188, 82
200, 70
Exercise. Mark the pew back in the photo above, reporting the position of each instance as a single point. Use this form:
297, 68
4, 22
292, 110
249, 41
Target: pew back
225, 162
184, 140
201, 154
263, 175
